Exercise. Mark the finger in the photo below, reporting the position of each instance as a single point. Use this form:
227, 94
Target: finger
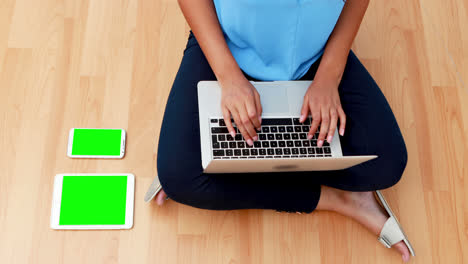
240, 126
323, 125
227, 120
304, 110
250, 133
342, 116
160, 198
316, 118
258, 104
333, 121
252, 114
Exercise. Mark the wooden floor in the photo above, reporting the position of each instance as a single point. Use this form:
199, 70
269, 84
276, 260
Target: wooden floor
111, 63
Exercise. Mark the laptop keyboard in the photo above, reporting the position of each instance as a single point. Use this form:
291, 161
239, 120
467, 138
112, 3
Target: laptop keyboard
278, 138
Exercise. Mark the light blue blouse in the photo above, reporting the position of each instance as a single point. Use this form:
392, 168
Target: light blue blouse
277, 39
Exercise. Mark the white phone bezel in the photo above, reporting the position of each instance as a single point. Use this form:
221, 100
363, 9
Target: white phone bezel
122, 145
57, 199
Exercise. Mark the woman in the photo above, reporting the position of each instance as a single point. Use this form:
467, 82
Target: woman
241, 40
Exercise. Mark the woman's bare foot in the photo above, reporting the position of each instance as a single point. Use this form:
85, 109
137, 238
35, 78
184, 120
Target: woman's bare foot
362, 207
161, 197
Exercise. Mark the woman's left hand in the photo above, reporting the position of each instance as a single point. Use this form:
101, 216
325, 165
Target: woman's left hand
323, 102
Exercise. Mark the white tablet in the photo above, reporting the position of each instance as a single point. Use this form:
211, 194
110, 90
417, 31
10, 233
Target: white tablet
93, 201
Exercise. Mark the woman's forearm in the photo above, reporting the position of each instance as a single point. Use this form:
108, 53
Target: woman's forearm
340, 41
202, 18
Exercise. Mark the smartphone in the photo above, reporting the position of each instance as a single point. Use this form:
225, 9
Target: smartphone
96, 143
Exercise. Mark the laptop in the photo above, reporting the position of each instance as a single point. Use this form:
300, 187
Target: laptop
282, 144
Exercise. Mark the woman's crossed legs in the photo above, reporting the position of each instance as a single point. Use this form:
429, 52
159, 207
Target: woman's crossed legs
371, 130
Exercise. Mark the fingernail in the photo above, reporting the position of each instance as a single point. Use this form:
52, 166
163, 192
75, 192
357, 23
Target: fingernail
260, 119
320, 143
329, 139
301, 118
342, 131
255, 138
309, 136
249, 141
233, 134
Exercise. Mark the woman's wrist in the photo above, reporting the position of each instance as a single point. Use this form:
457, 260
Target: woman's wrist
327, 80
329, 71
231, 76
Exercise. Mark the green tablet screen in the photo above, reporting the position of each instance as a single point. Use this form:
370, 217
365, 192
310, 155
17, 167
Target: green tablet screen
99, 142
93, 200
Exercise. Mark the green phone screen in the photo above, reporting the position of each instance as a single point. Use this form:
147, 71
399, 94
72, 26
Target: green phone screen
99, 142
93, 200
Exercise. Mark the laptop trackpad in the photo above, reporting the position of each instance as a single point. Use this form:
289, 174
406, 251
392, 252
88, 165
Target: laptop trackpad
274, 99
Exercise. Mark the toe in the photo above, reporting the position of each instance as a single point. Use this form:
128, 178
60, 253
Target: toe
403, 250
160, 197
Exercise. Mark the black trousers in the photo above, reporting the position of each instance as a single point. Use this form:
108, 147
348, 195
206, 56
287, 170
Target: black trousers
371, 129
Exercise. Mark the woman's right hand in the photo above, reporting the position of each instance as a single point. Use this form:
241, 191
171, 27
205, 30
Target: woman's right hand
240, 99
